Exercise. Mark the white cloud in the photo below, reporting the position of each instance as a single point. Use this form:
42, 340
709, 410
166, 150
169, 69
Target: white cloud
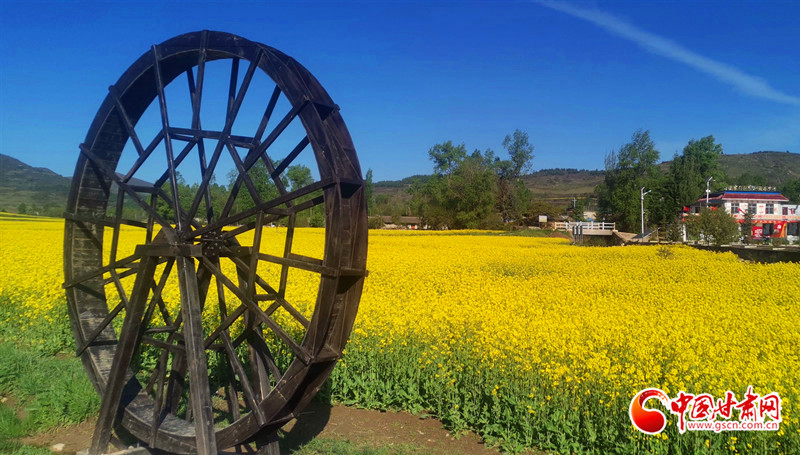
746, 83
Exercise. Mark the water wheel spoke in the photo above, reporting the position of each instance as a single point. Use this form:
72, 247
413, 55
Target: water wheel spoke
232, 390
158, 403
274, 215
300, 262
272, 294
158, 288
196, 92
114, 92
102, 270
162, 194
172, 347
244, 167
290, 157
243, 174
123, 355
99, 329
171, 164
120, 289
196, 96
263, 352
230, 117
167, 175
253, 307
199, 388
262, 125
266, 205
102, 221
111, 175
280, 127
228, 319
238, 369
144, 156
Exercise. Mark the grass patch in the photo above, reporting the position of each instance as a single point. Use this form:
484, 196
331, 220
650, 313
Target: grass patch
327, 446
532, 232
49, 391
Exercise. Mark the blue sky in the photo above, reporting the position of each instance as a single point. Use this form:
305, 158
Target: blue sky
579, 77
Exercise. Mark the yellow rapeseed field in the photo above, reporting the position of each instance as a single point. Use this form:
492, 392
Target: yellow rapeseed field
531, 342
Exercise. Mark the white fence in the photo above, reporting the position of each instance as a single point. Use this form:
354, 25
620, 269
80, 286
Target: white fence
586, 225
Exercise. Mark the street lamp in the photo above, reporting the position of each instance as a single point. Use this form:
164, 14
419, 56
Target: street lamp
708, 180
642, 193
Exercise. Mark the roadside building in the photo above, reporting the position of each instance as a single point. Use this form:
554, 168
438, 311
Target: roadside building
403, 222
773, 214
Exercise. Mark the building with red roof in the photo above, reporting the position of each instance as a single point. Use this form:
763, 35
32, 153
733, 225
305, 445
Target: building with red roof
774, 216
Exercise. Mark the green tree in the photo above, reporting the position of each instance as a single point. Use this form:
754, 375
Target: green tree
513, 197
447, 157
747, 227
22, 208
185, 196
520, 151
627, 171
262, 182
461, 194
688, 172
717, 226
577, 209
369, 191
297, 177
792, 190
543, 208
748, 179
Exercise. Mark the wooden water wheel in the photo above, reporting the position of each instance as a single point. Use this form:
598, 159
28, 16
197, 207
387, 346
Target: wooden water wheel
230, 356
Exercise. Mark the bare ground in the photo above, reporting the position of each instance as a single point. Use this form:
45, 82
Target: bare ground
321, 420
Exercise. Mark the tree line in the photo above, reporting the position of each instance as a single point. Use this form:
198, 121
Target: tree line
633, 170
232, 197
478, 190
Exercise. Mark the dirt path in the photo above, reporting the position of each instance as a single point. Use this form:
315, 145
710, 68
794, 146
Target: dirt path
322, 420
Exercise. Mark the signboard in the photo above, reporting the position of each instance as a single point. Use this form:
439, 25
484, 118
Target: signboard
543, 218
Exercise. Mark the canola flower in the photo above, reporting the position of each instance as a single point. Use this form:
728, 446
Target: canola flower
531, 342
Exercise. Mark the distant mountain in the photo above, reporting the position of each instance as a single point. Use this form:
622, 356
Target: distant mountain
40, 189
776, 167
45, 192
559, 186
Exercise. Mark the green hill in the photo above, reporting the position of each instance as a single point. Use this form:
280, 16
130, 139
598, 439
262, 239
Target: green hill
45, 193
776, 167
559, 186
41, 190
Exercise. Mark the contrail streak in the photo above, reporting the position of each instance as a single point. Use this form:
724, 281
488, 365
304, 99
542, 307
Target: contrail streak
731, 75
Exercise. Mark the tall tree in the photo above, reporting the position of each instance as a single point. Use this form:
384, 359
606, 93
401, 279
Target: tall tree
461, 193
262, 183
627, 171
513, 197
446, 157
520, 151
689, 172
369, 191
298, 176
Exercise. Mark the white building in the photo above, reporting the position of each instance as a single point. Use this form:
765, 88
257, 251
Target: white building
773, 215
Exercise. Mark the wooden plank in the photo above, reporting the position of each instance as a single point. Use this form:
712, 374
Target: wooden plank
199, 388
123, 355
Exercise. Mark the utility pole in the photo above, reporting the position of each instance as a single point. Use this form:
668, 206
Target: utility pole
708, 180
642, 193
